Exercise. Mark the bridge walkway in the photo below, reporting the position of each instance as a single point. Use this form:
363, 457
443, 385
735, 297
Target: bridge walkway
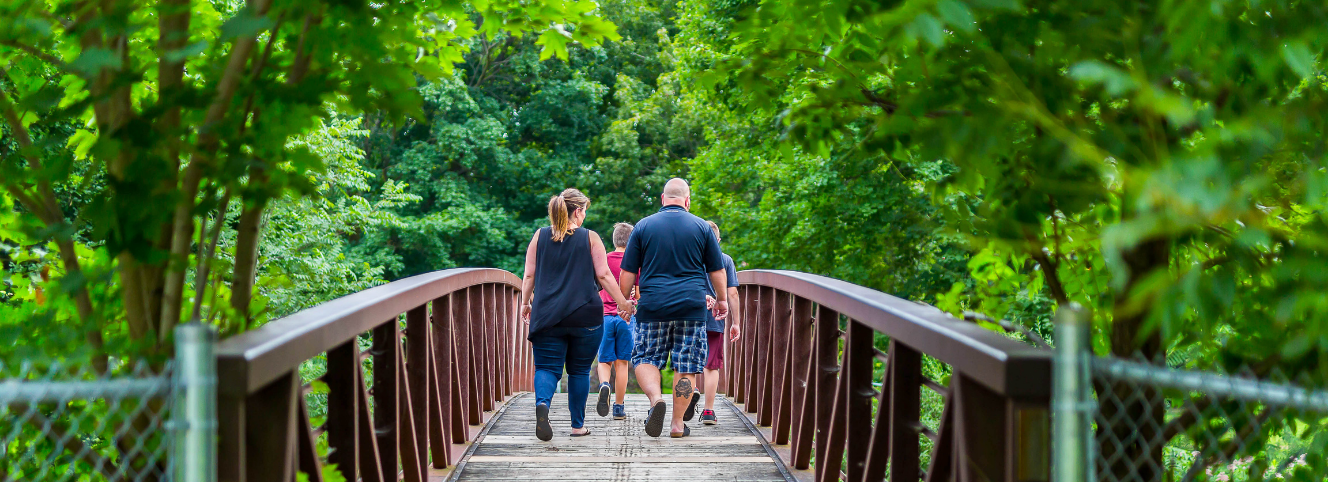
616, 450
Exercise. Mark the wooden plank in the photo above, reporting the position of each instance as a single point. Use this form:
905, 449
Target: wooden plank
765, 395
621, 460
620, 440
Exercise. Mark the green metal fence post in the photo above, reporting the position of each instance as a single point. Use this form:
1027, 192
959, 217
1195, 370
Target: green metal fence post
1070, 396
196, 403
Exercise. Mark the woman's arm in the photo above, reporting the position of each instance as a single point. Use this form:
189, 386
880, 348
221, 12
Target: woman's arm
605, 275
528, 281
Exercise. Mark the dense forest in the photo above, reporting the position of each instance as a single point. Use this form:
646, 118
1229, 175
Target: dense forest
1161, 163
245, 160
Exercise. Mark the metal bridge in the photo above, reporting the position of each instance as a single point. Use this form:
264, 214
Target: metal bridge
446, 397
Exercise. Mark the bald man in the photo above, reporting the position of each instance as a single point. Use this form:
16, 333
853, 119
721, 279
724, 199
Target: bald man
672, 253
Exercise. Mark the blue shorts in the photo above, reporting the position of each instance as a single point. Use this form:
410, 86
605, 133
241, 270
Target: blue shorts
617, 342
682, 340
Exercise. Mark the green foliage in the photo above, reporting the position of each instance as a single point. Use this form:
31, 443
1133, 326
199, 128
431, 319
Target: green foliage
511, 129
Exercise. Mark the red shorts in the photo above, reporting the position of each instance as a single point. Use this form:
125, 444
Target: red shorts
715, 357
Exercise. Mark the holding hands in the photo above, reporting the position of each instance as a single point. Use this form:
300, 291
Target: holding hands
626, 310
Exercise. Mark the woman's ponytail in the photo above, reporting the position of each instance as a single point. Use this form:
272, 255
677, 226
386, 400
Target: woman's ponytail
561, 208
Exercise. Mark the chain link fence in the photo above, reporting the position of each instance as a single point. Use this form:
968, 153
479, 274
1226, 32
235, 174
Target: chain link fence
1145, 420
133, 422
1155, 423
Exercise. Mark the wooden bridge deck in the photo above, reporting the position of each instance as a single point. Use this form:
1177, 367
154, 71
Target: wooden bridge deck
616, 450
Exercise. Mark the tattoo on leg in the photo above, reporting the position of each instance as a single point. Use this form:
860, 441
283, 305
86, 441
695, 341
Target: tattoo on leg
683, 389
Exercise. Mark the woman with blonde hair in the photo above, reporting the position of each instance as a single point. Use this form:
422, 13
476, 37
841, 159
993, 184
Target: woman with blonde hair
566, 266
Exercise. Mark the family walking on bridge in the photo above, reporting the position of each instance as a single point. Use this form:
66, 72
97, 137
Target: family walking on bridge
662, 295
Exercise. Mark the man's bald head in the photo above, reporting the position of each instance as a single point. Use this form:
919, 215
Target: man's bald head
676, 193
677, 188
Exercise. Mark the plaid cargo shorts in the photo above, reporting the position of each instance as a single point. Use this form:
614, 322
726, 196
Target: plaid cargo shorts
684, 340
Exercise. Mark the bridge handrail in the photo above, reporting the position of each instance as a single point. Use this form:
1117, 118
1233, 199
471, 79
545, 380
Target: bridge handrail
259, 356
464, 352
813, 383
1007, 366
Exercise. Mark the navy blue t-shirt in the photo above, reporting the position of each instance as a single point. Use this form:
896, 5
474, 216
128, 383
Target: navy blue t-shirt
732, 273
672, 253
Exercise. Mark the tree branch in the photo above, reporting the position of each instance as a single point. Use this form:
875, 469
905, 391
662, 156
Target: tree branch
35, 52
183, 222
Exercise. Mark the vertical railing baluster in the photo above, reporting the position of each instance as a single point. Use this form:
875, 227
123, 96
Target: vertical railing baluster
858, 371
461, 365
878, 450
830, 456
270, 448
943, 452
343, 394
781, 366
386, 362
754, 360
501, 340
440, 382
765, 414
824, 384
475, 342
371, 469
492, 392
413, 456
418, 350
307, 445
804, 374
230, 436
905, 410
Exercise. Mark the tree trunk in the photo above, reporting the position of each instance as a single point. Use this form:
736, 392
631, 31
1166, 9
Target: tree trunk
1137, 419
246, 258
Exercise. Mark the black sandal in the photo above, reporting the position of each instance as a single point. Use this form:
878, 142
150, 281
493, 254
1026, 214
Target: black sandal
655, 421
574, 434
691, 407
542, 428
685, 432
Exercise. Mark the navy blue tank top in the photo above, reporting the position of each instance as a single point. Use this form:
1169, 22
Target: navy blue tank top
564, 282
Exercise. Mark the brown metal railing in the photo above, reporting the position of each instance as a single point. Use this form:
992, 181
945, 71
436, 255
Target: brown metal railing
812, 383
464, 352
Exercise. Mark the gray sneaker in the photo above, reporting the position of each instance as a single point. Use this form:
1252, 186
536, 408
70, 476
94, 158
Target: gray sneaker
603, 406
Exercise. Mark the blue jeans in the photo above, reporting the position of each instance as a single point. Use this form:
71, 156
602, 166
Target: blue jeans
617, 344
573, 348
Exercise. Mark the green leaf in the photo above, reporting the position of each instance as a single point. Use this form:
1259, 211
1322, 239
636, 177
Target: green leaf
554, 42
996, 4
1114, 80
957, 15
929, 28
92, 61
244, 24
186, 51
1299, 58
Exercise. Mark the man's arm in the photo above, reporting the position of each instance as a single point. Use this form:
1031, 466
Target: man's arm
735, 311
719, 278
626, 280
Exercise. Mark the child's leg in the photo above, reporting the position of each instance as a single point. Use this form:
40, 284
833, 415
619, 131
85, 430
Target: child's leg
620, 388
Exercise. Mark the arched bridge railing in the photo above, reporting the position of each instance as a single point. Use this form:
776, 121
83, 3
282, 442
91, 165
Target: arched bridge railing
806, 367
463, 352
